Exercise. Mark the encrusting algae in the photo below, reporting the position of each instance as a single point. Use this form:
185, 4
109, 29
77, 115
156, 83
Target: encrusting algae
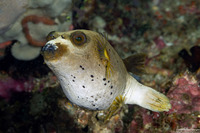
93, 76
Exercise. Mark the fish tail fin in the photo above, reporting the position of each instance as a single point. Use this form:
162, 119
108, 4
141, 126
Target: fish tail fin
146, 97
156, 101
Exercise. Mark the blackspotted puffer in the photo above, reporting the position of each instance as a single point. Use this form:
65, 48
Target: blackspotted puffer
92, 75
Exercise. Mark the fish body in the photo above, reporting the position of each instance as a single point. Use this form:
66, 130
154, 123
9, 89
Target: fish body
92, 75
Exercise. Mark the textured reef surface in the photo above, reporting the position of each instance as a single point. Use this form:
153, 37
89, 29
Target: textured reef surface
168, 32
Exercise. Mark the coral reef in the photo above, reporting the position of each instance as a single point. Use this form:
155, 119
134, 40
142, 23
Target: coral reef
185, 95
33, 17
9, 85
10, 11
93, 121
160, 29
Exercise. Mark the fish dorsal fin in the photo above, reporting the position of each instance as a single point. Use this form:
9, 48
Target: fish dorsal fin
135, 63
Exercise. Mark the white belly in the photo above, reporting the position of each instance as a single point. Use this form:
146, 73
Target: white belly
91, 90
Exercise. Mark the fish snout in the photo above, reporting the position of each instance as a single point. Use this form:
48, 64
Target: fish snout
53, 51
49, 51
49, 47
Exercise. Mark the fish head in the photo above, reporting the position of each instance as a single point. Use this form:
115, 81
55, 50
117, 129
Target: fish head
72, 47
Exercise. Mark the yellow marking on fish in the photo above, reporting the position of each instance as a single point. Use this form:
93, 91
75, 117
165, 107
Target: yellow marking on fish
109, 66
109, 69
104, 55
160, 103
115, 106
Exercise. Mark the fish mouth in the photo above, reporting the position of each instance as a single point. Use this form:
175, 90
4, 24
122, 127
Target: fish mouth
53, 51
49, 47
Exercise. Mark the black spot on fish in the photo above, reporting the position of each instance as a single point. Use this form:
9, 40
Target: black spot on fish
92, 80
83, 86
104, 79
82, 67
111, 93
73, 80
73, 76
111, 86
108, 81
105, 84
91, 76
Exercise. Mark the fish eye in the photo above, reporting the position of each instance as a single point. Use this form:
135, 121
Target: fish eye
78, 38
52, 35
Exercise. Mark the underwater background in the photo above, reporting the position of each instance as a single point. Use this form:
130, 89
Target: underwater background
167, 31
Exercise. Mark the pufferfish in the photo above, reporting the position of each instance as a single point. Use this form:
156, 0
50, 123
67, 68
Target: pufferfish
92, 74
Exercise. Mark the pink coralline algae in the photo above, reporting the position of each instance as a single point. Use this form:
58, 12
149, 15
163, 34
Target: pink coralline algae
184, 95
160, 44
9, 85
144, 120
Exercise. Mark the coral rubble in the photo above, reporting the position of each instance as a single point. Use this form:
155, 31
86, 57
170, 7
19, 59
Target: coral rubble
31, 100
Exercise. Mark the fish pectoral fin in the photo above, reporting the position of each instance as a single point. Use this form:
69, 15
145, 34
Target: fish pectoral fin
115, 107
135, 63
156, 101
109, 70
